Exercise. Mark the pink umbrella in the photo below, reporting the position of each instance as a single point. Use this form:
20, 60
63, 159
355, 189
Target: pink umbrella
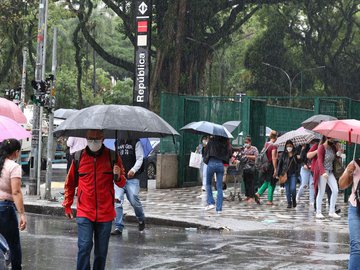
11, 110
346, 130
10, 129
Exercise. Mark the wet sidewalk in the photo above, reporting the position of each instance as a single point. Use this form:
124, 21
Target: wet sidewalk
184, 207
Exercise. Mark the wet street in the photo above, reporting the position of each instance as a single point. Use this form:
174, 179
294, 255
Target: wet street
51, 243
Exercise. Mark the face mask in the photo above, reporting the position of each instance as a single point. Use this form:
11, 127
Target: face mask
246, 145
204, 142
289, 149
94, 145
331, 143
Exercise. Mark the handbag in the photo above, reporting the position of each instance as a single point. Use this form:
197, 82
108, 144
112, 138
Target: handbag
283, 177
338, 168
195, 160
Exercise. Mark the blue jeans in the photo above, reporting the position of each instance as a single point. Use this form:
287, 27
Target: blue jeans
215, 166
131, 189
306, 181
87, 230
290, 187
354, 233
9, 228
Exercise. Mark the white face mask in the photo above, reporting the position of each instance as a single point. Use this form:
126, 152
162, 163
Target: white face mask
204, 142
289, 149
246, 145
94, 145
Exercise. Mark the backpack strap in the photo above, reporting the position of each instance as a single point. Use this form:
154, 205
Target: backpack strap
77, 158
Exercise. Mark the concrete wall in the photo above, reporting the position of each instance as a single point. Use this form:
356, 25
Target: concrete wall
166, 171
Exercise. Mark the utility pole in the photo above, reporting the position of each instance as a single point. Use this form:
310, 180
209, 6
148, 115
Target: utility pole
23, 80
50, 141
34, 187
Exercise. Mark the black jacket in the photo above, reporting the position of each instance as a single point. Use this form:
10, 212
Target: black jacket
284, 163
217, 148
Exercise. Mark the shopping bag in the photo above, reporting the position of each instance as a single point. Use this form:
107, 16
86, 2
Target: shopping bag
195, 160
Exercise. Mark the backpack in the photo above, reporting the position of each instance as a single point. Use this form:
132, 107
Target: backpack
77, 158
262, 162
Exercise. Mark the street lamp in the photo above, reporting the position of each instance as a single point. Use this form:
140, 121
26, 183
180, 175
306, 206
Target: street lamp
217, 56
288, 76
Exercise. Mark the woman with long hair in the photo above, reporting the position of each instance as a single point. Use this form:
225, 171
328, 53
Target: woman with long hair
11, 198
217, 153
288, 164
323, 174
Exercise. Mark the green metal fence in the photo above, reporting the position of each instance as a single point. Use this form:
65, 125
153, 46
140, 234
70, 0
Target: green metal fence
255, 113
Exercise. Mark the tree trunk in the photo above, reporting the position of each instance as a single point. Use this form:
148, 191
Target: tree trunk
179, 40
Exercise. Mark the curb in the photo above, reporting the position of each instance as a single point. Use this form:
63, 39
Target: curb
59, 211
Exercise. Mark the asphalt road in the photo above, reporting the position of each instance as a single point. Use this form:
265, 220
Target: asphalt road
51, 243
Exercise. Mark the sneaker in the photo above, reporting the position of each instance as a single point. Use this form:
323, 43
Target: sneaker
218, 212
203, 189
338, 211
334, 215
141, 226
320, 216
116, 232
209, 207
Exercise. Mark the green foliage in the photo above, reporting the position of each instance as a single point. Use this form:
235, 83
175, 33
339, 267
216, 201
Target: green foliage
121, 93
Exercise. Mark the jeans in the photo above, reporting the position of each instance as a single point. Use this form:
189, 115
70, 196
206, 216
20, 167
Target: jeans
9, 228
354, 233
87, 230
331, 181
131, 189
307, 181
215, 166
290, 187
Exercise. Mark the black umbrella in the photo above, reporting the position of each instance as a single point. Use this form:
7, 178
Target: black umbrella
64, 113
231, 125
116, 121
314, 120
209, 128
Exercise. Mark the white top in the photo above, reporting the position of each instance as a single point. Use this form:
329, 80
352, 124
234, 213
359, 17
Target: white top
10, 170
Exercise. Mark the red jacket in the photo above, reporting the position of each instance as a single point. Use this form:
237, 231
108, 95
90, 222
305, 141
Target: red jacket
95, 195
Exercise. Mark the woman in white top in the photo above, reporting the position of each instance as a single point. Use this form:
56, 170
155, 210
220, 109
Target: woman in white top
352, 176
11, 197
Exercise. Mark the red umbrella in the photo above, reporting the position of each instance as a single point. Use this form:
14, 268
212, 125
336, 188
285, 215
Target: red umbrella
11, 110
346, 130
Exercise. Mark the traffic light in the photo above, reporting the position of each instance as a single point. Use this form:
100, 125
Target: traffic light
43, 93
13, 94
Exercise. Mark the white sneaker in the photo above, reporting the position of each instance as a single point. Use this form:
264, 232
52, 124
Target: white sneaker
218, 212
320, 216
209, 207
334, 215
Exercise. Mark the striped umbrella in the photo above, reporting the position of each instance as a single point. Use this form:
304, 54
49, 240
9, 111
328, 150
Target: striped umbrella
299, 136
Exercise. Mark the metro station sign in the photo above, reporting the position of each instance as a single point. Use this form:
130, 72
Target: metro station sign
142, 57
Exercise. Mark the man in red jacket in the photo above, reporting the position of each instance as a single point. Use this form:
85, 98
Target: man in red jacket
95, 202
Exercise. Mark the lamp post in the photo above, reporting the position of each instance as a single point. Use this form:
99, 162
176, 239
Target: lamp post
217, 56
288, 76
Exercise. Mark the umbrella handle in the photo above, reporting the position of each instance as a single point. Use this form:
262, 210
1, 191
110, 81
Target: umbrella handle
113, 162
